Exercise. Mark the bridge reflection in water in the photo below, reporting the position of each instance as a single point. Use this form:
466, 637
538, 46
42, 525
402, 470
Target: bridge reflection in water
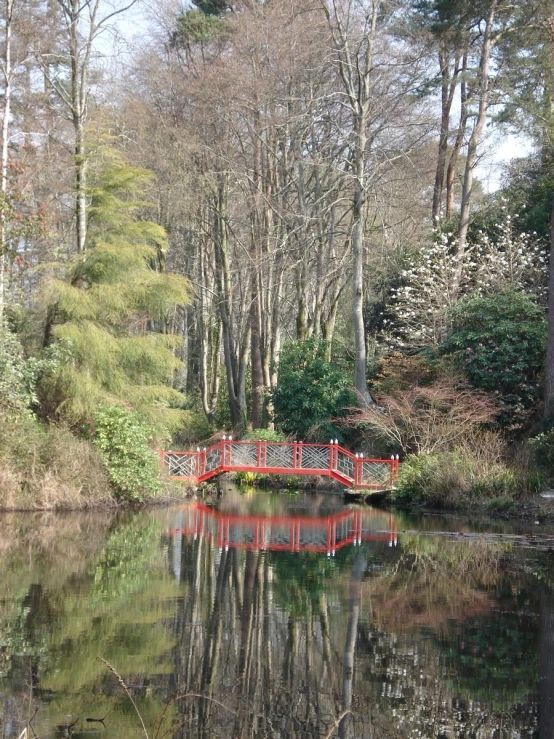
291, 533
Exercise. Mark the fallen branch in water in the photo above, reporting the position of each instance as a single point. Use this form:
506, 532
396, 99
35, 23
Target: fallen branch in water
337, 723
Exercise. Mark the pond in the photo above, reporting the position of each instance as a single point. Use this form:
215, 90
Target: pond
274, 615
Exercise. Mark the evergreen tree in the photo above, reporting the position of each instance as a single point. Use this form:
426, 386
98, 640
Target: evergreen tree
108, 309
212, 7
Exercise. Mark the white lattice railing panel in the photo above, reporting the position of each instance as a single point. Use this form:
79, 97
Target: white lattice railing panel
376, 473
242, 535
277, 455
243, 455
280, 535
213, 459
315, 457
312, 537
182, 464
345, 464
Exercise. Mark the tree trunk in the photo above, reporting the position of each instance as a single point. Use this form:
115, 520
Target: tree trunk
473, 144
358, 569
223, 272
80, 185
453, 161
549, 374
9, 5
447, 95
79, 75
356, 68
256, 363
358, 268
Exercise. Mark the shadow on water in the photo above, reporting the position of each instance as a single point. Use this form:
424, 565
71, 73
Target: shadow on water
276, 615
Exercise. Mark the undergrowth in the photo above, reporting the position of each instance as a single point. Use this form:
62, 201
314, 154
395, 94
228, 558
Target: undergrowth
47, 467
463, 477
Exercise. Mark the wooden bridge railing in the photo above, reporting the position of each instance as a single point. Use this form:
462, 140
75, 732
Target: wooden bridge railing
283, 458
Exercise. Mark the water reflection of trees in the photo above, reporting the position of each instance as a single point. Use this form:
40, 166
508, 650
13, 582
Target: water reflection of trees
77, 587
434, 638
281, 644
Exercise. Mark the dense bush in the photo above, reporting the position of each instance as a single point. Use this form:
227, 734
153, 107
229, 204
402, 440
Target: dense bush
499, 342
311, 392
542, 449
17, 376
271, 435
123, 441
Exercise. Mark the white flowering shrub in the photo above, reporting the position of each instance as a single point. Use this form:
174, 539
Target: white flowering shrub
510, 259
420, 306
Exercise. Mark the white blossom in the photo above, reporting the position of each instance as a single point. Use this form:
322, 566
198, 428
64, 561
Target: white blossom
420, 307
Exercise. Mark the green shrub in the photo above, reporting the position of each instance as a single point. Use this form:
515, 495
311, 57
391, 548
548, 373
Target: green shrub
122, 439
499, 342
292, 482
17, 376
542, 448
311, 393
271, 435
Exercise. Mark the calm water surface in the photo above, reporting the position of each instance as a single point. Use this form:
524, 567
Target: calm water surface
274, 616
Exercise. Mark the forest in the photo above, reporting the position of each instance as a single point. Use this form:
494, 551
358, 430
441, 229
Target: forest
269, 218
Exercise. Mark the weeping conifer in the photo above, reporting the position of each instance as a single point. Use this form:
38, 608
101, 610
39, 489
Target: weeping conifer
107, 312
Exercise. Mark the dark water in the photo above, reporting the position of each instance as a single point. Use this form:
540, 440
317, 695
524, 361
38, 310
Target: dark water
274, 616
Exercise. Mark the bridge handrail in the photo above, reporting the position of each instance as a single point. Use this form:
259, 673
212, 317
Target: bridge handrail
344, 465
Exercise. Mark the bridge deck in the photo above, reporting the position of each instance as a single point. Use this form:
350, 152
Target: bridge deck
287, 458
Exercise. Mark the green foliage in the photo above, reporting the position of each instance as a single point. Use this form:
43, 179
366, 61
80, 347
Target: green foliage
212, 7
123, 441
264, 435
108, 310
196, 27
246, 479
311, 392
542, 449
17, 376
292, 482
499, 342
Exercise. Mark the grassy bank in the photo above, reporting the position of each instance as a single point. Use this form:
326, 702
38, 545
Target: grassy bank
47, 467
470, 478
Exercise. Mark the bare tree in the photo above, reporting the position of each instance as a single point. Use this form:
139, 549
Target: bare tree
68, 70
355, 58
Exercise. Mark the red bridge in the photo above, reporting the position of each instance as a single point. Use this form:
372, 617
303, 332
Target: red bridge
287, 533
290, 458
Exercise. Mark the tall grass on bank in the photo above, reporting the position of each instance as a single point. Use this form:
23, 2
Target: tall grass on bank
466, 476
49, 468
